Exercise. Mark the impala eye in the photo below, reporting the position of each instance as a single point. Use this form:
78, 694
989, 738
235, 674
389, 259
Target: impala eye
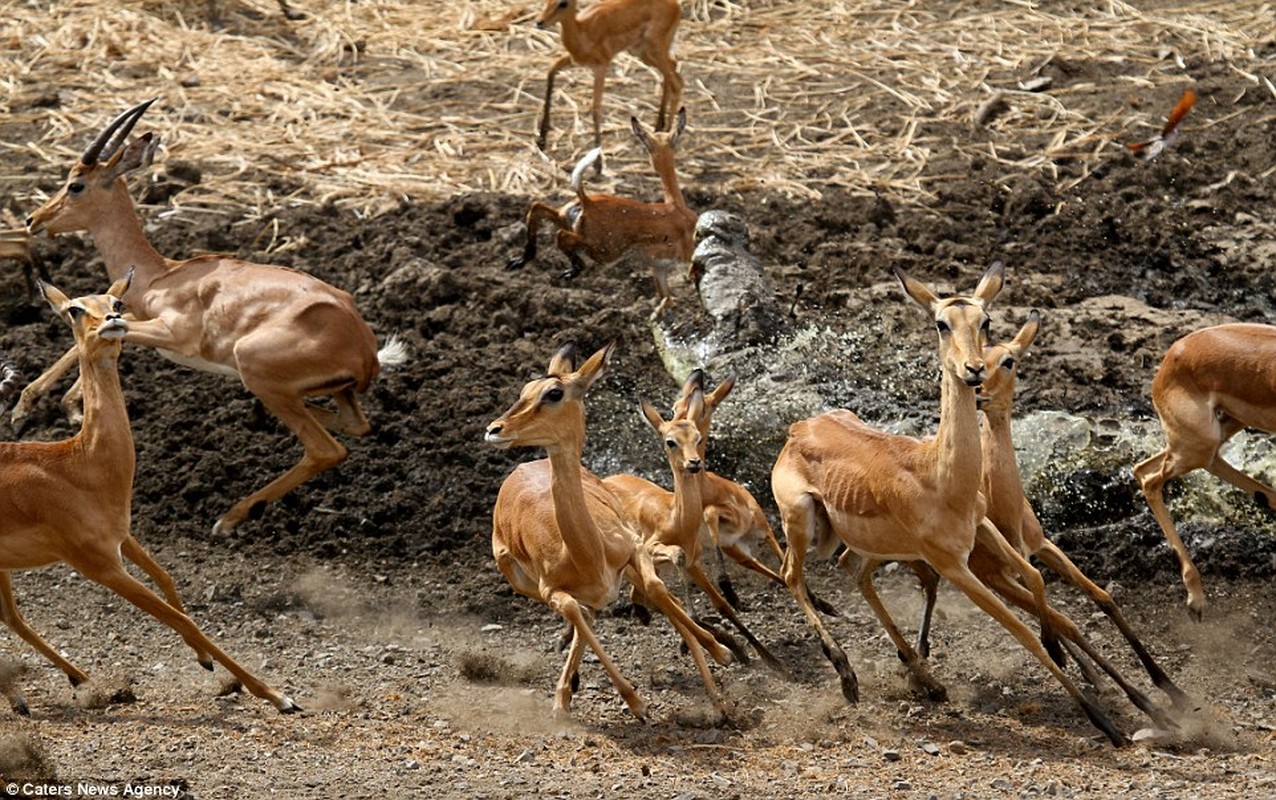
670, 443
76, 187
983, 326
75, 312
942, 326
1009, 363
118, 306
553, 395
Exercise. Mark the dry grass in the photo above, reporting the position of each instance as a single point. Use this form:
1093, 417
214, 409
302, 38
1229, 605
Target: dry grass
365, 104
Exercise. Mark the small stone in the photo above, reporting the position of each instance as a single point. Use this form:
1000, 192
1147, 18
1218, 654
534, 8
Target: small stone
890, 755
491, 627
958, 748
929, 748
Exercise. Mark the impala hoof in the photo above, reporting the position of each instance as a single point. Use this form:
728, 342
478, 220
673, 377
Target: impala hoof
287, 706
206, 663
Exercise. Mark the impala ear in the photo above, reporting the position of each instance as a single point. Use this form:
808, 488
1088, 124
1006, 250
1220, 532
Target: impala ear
52, 295
1028, 333
118, 288
992, 281
719, 393
137, 155
564, 361
696, 406
593, 368
918, 291
649, 413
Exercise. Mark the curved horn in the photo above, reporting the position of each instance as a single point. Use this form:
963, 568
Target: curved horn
109, 140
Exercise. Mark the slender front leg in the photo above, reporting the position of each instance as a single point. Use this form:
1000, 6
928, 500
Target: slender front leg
133, 551
40, 387
542, 131
13, 618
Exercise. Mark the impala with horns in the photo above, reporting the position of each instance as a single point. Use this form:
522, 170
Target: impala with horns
561, 536
288, 336
71, 501
1212, 384
595, 36
606, 228
892, 497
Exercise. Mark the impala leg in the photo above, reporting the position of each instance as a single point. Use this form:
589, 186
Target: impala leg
14, 619
697, 574
799, 530
565, 604
596, 108
133, 551
322, 452
569, 679
957, 573
861, 570
1057, 560
542, 131
348, 418
929, 580
537, 213
112, 575
1263, 494
1017, 595
40, 387
1152, 475
987, 535
642, 572
670, 93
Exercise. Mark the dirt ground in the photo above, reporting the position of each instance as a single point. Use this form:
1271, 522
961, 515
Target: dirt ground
369, 594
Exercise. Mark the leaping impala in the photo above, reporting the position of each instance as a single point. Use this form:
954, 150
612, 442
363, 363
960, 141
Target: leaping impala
595, 36
561, 536
71, 501
286, 335
606, 228
891, 497
1212, 384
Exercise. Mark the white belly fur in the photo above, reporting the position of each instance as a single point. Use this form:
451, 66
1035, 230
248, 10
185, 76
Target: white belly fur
194, 362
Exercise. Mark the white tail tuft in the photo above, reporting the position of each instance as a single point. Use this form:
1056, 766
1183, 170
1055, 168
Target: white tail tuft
394, 353
578, 174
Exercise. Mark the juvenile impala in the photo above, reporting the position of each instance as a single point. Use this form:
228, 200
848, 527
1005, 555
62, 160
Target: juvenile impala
593, 37
891, 497
286, 335
734, 522
606, 228
70, 501
670, 521
1212, 384
561, 536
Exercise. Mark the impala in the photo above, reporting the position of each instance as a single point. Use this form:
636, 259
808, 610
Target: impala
1212, 384
1010, 511
593, 37
286, 335
70, 501
560, 535
606, 228
734, 522
891, 497
670, 521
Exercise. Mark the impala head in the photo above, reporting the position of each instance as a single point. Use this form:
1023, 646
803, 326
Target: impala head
694, 385
962, 321
998, 389
551, 410
660, 141
97, 319
95, 178
680, 435
554, 12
